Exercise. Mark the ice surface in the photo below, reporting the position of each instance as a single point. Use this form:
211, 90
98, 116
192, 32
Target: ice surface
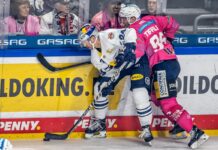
111, 144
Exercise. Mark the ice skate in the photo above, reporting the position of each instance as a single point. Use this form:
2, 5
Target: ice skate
146, 135
97, 128
5, 144
198, 137
177, 132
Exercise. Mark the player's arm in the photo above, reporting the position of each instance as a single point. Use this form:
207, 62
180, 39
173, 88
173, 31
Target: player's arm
169, 25
128, 53
98, 63
130, 41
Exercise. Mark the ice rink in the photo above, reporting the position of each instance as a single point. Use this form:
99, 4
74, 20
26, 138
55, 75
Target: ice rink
111, 144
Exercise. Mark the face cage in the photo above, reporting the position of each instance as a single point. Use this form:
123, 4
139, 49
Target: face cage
128, 20
90, 42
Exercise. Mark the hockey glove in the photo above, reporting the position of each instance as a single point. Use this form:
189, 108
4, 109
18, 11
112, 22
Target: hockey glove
103, 71
129, 52
130, 58
107, 90
119, 60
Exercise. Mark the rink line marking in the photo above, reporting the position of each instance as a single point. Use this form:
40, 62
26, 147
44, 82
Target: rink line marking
111, 134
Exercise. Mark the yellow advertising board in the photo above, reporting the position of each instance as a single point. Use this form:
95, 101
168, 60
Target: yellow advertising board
30, 87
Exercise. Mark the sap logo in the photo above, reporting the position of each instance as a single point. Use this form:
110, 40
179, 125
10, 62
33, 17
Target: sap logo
85, 123
19, 125
13, 42
180, 40
208, 40
57, 42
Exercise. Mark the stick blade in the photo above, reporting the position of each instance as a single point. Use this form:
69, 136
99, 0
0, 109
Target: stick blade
51, 136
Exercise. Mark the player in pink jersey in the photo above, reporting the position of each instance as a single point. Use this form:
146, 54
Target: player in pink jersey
155, 34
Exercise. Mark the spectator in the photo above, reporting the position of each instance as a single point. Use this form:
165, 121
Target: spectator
152, 7
75, 6
80, 8
155, 7
37, 7
60, 21
108, 17
20, 21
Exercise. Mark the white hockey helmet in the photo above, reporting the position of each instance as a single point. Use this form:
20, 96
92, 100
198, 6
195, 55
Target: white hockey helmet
86, 31
130, 10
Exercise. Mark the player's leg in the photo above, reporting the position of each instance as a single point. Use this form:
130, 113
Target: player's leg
176, 112
165, 77
140, 86
176, 132
97, 125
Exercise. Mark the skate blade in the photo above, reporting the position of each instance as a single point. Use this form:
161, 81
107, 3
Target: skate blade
178, 136
99, 135
149, 144
202, 140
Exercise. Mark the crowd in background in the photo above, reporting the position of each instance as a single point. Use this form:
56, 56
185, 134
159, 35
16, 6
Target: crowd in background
34, 17
65, 17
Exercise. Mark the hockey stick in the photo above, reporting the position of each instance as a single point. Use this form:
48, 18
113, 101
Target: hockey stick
48, 66
53, 136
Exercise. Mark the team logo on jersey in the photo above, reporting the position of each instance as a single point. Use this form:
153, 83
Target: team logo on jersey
147, 81
110, 35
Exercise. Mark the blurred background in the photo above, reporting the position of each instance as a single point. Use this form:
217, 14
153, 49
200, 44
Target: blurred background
64, 17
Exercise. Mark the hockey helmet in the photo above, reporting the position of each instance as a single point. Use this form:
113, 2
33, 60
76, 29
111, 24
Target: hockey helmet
130, 10
87, 31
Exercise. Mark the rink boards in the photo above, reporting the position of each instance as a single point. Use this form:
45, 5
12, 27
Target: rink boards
34, 100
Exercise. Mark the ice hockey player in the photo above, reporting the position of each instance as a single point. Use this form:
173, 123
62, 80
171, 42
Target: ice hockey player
5, 144
110, 49
154, 34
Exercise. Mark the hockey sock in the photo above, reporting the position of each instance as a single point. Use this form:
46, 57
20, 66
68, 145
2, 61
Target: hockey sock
143, 106
185, 121
175, 113
101, 108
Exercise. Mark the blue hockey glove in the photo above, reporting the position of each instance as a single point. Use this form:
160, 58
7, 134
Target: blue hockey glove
129, 52
119, 60
106, 91
130, 58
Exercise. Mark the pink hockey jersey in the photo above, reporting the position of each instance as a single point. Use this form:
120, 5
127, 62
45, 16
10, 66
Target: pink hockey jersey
103, 21
152, 33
